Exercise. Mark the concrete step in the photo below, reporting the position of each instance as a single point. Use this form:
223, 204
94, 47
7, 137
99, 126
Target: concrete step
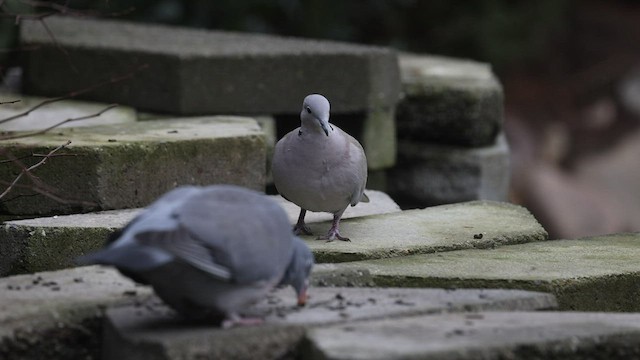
428, 174
450, 101
484, 335
591, 274
57, 112
59, 315
129, 165
52, 243
134, 331
195, 72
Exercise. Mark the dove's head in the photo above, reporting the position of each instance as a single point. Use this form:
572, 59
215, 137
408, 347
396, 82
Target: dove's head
299, 269
315, 113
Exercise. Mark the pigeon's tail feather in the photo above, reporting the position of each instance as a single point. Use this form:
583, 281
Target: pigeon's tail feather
132, 258
364, 198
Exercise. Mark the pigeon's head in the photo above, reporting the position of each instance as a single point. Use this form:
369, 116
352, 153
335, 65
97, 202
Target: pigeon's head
299, 269
315, 113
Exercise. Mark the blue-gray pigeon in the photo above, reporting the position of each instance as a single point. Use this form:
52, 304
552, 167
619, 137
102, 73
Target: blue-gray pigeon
319, 167
209, 252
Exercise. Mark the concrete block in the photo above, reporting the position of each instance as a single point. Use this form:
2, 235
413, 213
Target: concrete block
590, 274
57, 315
51, 243
57, 112
153, 333
195, 72
449, 101
488, 335
129, 165
430, 174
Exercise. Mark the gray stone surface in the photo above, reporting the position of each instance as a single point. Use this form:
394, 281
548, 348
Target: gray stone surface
431, 174
135, 332
129, 165
192, 71
51, 243
488, 335
56, 315
57, 112
590, 274
450, 101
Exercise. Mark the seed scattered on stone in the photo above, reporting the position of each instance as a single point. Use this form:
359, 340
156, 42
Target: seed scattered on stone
477, 236
112, 140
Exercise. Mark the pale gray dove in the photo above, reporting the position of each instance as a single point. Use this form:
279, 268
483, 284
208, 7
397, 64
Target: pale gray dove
209, 252
319, 167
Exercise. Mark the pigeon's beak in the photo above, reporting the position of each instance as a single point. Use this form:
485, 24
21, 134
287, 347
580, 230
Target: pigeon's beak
302, 295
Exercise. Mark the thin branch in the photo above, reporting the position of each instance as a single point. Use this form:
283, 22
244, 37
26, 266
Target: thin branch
29, 134
33, 167
9, 102
73, 94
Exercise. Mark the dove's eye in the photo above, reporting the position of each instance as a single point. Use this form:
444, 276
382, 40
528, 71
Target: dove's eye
308, 110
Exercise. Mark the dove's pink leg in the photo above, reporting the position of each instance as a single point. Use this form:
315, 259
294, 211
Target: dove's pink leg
301, 227
334, 231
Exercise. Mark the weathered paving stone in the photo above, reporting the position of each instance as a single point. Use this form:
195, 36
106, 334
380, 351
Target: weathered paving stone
134, 331
57, 112
432, 174
51, 243
57, 315
435, 229
449, 101
196, 72
129, 165
591, 274
485, 335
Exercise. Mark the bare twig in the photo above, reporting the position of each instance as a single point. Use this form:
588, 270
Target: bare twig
32, 167
38, 132
9, 102
73, 94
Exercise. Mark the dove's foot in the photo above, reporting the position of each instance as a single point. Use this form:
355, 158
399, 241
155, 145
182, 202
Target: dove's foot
234, 320
301, 228
333, 234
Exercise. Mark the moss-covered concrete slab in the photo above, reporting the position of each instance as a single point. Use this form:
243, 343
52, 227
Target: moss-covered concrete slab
591, 274
57, 112
51, 243
195, 72
134, 331
449, 101
57, 315
430, 174
488, 335
129, 165
476, 224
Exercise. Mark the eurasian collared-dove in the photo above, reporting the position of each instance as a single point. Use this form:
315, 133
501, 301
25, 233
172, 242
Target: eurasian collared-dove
319, 167
210, 251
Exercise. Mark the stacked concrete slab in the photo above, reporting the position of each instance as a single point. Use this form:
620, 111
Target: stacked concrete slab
195, 72
449, 124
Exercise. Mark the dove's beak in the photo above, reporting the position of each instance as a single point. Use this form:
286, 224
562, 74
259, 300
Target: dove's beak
323, 125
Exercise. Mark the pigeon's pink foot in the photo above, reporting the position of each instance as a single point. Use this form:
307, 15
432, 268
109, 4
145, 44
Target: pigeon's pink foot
234, 320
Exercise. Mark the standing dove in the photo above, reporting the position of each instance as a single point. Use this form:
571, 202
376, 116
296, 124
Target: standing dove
319, 167
210, 251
